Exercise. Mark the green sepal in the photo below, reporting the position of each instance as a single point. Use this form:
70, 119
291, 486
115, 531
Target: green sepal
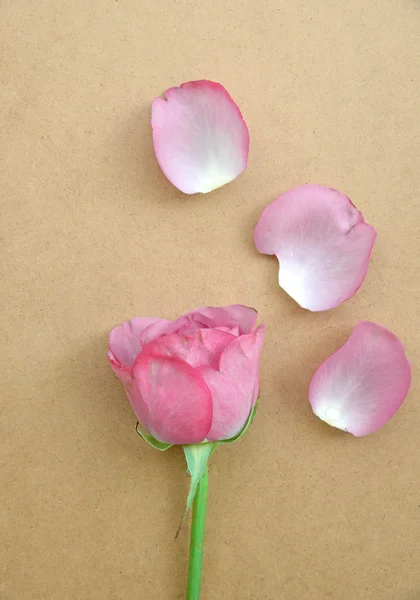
213, 450
197, 456
151, 440
244, 430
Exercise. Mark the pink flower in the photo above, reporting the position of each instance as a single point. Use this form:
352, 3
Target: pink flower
322, 243
200, 138
192, 379
363, 384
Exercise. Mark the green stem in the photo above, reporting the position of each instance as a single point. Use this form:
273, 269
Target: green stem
197, 538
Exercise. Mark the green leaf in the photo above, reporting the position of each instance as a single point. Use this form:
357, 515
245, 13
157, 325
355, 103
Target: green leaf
197, 456
151, 440
244, 430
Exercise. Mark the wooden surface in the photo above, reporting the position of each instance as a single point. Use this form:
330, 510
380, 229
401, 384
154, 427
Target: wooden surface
93, 234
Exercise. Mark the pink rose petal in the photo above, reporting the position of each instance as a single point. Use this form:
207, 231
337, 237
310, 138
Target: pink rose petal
200, 138
209, 316
203, 348
322, 243
125, 344
362, 385
164, 327
234, 387
234, 330
244, 316
170, 399
229, 316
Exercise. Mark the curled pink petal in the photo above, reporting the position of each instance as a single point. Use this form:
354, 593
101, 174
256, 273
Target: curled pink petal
203, 348
190, 327
204, 317
209, 316
170, 399
200, 138
322, 243
233, 315
164, 327
186, 324
232, 330
362, 385
244, 316
125, 344
234, 387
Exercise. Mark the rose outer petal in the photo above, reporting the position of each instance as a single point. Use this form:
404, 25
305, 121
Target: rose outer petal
125, 344
235, 386
170, 399
362, 385
200, 138
322, 243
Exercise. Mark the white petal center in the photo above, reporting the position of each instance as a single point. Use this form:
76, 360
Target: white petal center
331, 414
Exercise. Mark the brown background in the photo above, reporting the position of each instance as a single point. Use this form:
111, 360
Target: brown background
94, 234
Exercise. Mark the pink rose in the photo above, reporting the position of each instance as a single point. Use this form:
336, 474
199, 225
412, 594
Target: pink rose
194, 379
